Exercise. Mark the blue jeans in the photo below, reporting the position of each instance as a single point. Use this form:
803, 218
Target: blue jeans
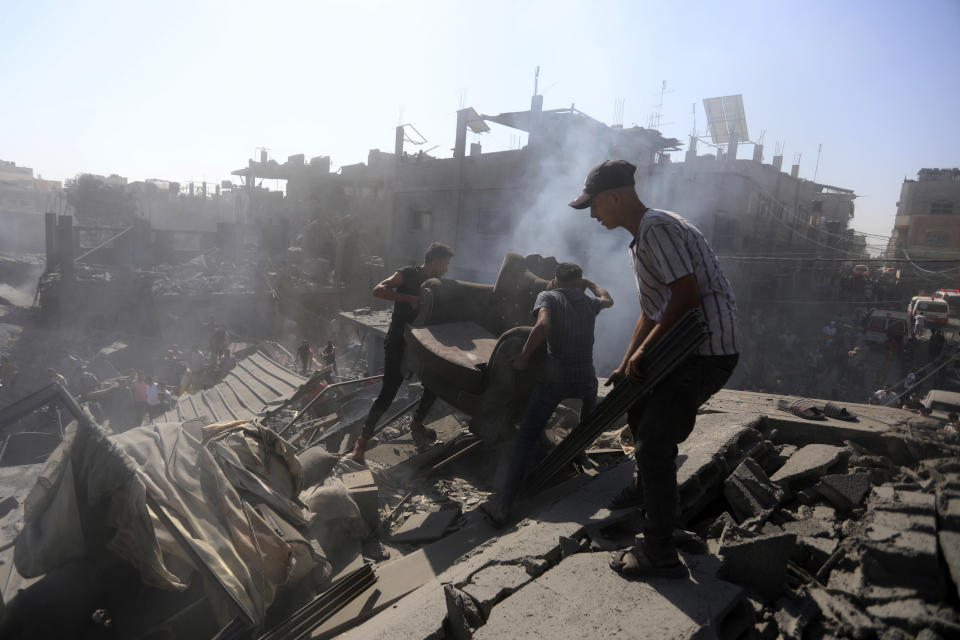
555, 384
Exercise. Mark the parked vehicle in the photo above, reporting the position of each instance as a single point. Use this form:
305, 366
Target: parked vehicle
942, 403
952, 298
883, 323
935, 311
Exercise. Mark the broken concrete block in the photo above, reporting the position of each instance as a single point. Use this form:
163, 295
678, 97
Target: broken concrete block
492, 584
808, 462
363, 490
794, 614
425, 526
892, 633
818, 550
950, 546
929, 634
809, 528
844, 491
843, 615
568, 546
715, 530
915, 614
948, 509
462, 613
759, 562
750, 492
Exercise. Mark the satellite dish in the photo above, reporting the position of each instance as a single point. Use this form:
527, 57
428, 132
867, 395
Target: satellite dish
726, 119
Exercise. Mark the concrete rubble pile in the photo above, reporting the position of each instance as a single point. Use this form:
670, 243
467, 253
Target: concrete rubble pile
793, 529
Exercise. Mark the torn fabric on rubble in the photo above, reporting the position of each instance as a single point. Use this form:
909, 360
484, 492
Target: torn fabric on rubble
165, 498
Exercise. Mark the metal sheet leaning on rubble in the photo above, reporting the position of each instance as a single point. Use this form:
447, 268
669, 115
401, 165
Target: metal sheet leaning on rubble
663, 358
160, 471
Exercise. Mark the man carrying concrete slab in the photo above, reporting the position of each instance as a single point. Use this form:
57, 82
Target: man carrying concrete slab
403, 288
676, 271
565, 319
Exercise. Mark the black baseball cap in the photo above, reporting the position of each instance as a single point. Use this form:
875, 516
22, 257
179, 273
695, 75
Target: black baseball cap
609, 174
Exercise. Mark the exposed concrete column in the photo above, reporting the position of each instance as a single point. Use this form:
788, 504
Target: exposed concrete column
65, 246
732, 147
460, 144
50, 235
398, 142
691, 150
536, 111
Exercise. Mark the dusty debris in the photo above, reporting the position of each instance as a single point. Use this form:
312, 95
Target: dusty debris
424, 526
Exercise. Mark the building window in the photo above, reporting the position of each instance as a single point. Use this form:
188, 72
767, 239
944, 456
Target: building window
936, 238
942, 208
493, 222
420, 220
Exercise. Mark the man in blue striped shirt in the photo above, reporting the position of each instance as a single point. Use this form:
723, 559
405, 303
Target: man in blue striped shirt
675, 271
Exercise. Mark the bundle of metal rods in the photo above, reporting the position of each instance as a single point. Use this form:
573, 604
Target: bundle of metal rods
324, 606
662, 359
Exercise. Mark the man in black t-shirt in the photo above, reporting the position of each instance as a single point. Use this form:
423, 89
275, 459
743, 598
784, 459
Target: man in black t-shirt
403, 287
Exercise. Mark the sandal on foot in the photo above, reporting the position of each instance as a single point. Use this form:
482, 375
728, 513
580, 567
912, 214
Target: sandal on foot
634, 563
631, 496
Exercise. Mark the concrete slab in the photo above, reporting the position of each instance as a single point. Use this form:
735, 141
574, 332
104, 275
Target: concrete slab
848, 619
916, 615
424, 527
808, 462
844, 491
362, 488
583, 598
492, 584
395, 579
950, 546
759, 562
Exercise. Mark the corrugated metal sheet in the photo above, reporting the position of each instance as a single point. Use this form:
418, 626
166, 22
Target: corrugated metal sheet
248, 387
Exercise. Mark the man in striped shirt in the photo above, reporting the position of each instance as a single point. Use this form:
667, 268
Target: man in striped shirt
675, 271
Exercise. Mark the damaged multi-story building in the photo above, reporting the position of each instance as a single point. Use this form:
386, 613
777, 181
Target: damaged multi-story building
928, 216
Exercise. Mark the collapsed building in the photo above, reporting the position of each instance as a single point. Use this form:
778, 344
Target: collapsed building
793, 527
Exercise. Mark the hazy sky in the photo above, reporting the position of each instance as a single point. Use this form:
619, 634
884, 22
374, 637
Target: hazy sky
188, 91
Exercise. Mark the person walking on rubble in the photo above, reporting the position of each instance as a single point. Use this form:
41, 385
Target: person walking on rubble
329, 355
676, 271
565, 319
403, 288
304, 356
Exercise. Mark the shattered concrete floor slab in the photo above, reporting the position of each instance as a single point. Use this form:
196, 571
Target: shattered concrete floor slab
583, 598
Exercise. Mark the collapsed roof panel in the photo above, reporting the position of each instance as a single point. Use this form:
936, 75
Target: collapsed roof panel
244, 392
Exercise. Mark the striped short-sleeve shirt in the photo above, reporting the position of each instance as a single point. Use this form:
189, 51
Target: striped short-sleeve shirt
667, 248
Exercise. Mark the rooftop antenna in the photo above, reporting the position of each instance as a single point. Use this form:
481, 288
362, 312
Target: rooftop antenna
817, 167
618, 111
656, 117
536, 80
693, 110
